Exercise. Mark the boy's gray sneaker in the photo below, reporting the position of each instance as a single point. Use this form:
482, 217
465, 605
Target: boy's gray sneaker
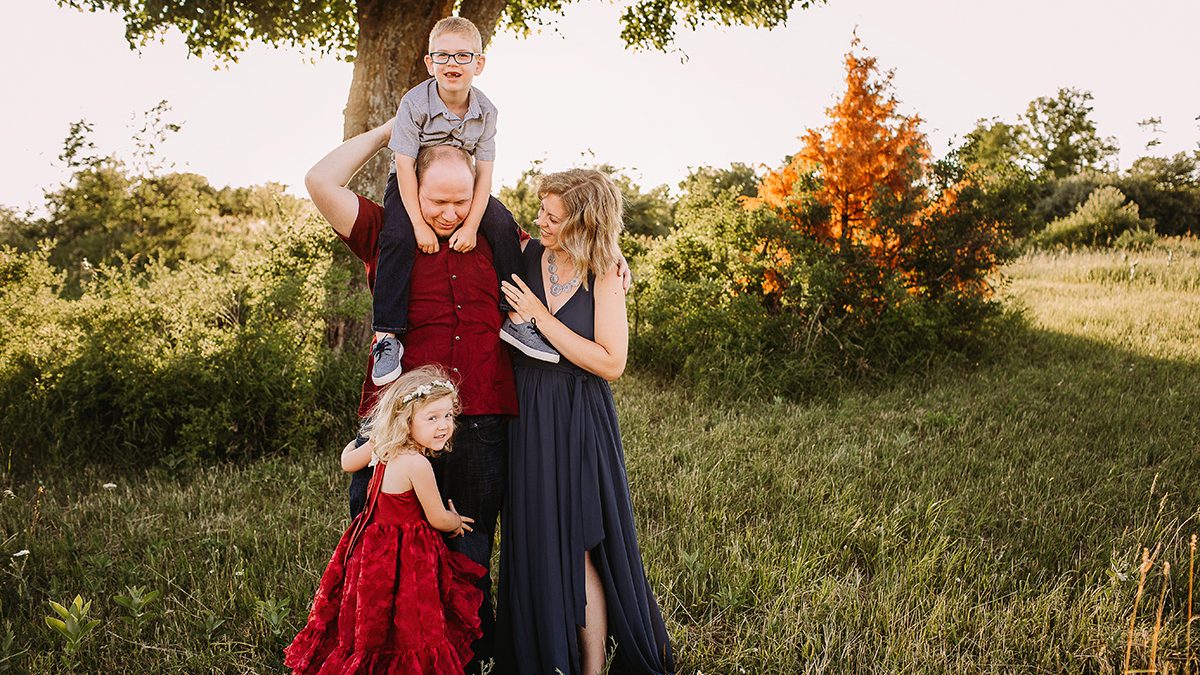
526, 338
385, 357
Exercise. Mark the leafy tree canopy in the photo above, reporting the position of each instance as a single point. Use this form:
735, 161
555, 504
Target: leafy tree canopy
1058, 136
330, 27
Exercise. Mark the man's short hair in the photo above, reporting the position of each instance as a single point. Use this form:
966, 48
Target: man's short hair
427, 157
459, 25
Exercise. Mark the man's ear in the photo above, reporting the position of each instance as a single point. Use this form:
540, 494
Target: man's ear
429, 64
480, 62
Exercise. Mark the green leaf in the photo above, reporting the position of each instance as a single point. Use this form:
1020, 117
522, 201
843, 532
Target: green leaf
62, 611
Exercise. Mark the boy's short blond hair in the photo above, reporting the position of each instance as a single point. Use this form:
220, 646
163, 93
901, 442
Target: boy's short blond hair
459, 25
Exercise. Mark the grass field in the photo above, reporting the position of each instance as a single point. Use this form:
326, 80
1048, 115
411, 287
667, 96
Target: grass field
982, 519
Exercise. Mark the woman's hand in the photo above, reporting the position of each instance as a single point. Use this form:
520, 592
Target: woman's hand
524, 301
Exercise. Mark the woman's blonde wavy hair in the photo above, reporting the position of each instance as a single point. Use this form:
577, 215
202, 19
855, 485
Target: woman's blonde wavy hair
593, 220
391, 418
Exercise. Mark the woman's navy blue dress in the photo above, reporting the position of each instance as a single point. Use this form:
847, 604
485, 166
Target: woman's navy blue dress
568, 494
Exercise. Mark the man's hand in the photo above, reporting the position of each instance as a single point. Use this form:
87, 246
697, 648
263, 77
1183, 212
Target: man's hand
463, 522
463, 239
626, 274
427, 241
385, 130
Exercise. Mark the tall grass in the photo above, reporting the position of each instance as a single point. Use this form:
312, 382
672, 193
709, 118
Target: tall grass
987, 518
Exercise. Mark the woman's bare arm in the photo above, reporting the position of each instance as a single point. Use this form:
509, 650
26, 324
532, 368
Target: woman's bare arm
606, 355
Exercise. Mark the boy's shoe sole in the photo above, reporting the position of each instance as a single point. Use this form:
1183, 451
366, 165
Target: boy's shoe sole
527, 350
387, 379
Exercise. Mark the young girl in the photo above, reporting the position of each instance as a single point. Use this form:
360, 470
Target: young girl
394, 599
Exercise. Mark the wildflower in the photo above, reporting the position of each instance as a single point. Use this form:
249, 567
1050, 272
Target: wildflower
109, 486
21, 554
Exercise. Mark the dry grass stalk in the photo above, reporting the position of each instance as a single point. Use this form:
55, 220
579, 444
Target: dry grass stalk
37, 509
1143, 570
1187, 654
1162, 600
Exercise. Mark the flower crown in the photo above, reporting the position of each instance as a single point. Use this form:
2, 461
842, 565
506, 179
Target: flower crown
425, 390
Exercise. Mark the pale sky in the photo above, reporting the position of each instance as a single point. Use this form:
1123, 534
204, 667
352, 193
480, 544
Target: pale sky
741, 95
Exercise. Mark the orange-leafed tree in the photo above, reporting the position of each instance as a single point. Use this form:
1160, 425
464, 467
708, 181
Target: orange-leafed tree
861, 254
865, 190
868, 150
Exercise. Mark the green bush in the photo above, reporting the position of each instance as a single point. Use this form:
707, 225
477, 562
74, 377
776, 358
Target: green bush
1099, 221
738, 302
1166, 190
158, 364
1136, 240
130, 212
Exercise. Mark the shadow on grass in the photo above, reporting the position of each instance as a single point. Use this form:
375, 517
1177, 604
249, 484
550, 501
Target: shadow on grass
955, 519
961, 519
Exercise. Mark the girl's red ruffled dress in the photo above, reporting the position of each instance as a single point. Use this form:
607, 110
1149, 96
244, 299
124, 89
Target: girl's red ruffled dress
393, 599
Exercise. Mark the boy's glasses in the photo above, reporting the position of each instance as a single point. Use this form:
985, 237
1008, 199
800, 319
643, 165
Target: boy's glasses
461, 58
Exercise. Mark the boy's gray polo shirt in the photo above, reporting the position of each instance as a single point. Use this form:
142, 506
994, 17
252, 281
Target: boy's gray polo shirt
423, 121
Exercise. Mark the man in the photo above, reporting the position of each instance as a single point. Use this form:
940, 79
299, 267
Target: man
454, 321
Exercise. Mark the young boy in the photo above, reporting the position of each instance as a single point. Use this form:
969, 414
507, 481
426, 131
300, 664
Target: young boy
445, 109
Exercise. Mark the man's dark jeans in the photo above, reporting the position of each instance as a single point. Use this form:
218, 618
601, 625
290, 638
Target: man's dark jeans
398, 252
474, 475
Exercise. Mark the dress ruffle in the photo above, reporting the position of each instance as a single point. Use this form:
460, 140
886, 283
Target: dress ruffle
401, 603
443, 658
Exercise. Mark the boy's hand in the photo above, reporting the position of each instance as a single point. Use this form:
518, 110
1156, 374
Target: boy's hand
463, 239
427, 241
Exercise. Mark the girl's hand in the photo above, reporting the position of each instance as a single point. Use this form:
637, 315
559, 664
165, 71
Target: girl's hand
524, 301
464, 521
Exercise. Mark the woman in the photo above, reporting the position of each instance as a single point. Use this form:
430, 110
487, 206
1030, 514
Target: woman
571, 573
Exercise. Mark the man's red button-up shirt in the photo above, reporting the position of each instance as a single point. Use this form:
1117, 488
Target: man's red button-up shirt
453, 318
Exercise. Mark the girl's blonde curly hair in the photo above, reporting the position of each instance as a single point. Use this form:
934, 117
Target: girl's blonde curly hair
390, 421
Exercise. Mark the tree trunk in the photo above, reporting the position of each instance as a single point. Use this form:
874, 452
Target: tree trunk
392, 41
485, 14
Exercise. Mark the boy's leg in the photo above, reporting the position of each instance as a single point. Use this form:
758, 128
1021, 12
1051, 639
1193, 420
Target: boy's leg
502, 232
359, 481
393, 273
393, 270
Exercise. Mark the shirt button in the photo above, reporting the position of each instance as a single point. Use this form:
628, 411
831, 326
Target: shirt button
453, 277
454, 369
457, 337
458, 306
